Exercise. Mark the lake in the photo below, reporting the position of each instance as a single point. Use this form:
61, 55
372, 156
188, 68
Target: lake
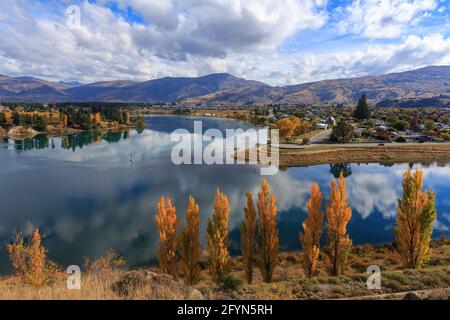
86, 196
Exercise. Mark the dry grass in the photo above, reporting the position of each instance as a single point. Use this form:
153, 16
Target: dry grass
365, 154
289, 280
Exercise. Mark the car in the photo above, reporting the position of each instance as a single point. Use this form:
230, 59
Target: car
381, 144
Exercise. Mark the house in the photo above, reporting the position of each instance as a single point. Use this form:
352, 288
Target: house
331, 121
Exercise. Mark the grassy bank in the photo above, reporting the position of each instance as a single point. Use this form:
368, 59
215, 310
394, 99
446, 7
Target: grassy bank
367, 153
104, 282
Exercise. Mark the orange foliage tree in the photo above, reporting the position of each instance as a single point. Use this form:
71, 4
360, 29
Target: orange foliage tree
291, 126
189, 245
338, 216
312, 231
167, 224
217, 238
248, 239
29, 261
268, 241
416, 215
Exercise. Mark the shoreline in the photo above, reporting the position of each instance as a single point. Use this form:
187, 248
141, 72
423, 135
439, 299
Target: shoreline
361, 153
26, 133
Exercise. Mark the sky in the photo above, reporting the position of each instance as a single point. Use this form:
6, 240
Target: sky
279, 42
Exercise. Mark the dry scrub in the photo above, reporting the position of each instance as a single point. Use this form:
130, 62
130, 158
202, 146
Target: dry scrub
103, 279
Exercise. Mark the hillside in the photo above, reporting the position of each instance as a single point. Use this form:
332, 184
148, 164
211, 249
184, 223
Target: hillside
224, 88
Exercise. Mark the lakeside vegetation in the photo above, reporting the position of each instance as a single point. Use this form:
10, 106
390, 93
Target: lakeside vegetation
21, 121
337, 270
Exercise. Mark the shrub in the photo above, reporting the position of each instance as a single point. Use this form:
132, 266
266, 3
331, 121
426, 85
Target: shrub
29, 260
231, 283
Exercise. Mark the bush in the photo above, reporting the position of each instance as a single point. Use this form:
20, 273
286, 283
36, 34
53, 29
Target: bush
231, 283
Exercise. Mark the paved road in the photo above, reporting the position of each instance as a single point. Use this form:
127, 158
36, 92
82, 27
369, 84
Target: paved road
322, 137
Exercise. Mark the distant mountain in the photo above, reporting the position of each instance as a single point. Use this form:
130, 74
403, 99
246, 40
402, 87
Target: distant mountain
31, 89
71, 83
161, 90
224, 88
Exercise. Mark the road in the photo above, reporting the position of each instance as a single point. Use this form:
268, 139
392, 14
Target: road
322, 137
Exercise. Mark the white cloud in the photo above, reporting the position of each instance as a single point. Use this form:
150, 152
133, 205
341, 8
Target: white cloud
439, 226
383, 18
193, 38
371, 191
214, 28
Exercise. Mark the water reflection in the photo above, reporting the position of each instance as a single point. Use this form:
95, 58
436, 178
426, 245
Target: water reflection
87, 198
337, 168
69, 142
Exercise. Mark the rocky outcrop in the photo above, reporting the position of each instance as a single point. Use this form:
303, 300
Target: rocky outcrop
411, 296
153, 286
22, 133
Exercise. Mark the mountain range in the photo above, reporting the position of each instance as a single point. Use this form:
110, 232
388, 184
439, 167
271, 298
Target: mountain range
224, 88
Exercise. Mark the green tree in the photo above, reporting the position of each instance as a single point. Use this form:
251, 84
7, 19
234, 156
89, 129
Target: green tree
402, 125
2, 118
342, 132
17, 118
429, 124
362, 110
41, 123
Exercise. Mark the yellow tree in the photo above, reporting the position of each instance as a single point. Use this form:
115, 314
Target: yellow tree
312, 231
29, 260
37, 259
189, 245
248, 239
268, 241
18, 255
338, 216
416, 215
167, 224
291, 126
217, 238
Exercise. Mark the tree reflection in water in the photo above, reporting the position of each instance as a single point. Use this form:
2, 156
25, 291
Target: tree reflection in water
337, 168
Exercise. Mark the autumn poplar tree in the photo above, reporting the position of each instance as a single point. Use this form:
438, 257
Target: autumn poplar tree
29, 260
312, 231
268, 241
217, 238
416, 215
189, 245
339, 214
167, 225
248, 237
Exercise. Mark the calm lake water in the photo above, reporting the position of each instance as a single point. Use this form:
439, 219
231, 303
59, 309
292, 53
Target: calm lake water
87, 197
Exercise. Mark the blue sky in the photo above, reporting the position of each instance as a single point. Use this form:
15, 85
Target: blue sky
278, 42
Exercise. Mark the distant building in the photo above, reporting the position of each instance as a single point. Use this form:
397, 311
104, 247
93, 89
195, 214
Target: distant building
331, 121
